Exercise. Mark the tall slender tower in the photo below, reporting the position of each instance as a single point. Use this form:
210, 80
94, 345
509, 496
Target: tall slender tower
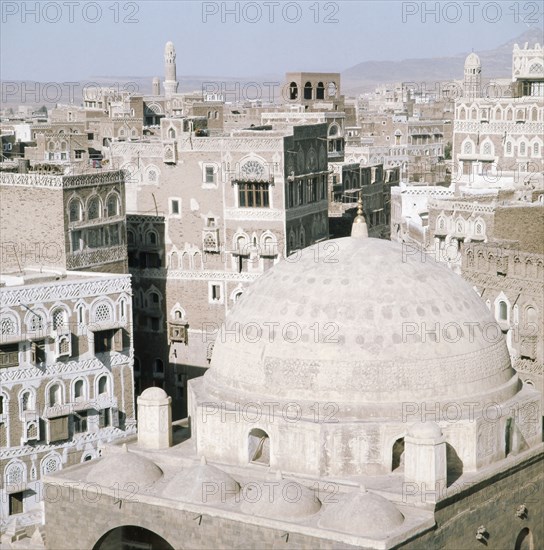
473, 76
156, 86
170, 82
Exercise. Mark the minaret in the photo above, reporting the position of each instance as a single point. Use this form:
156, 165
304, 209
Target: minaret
156, 87
170, 82
473, 76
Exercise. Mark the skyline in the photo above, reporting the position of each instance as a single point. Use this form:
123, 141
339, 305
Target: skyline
207, 46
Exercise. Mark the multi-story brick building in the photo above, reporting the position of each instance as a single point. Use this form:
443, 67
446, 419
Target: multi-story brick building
66, 380
77, 221
207, 216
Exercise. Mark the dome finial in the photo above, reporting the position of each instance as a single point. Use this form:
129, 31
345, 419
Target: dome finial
359, 229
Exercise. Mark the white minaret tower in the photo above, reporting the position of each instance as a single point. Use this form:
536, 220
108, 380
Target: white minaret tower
473, 76
170, 82
156, 86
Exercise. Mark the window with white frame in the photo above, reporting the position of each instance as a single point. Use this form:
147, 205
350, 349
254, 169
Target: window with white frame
175, 207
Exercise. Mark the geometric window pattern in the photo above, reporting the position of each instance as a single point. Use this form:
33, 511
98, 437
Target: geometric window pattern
59, 319
50, 465
14, 474
8, 327
102, 313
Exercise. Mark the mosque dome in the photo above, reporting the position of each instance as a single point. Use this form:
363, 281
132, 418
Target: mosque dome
360, 321
202, 484
363, 514
425, 430
154, 394
279, 499
472, 61
124, 467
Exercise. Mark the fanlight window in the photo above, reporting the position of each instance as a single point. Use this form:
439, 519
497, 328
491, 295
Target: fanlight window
252, 170
487, 148
467, 148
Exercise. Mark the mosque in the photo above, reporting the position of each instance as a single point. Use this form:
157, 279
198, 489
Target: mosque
358, 397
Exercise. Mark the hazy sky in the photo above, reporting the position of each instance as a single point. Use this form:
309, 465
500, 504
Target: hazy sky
68, 41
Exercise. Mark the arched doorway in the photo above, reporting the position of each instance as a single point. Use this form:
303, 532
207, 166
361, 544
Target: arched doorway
525, 540
131, 537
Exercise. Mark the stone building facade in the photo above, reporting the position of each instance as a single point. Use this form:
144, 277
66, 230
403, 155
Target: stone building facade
498, 140
78, 222
66, 380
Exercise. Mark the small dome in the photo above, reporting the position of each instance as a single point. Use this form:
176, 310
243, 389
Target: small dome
124, 467
363, 514
169, 47
472, 61
154, 393
202, 484
425, 430
279, 499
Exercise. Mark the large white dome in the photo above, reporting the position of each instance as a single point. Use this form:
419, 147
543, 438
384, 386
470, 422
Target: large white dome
360, 321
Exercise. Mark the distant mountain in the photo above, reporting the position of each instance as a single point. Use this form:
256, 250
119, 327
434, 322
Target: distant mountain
495, 64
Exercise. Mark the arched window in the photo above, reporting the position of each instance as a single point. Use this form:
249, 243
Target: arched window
320, 91
60, 319
522, 149
158, 366
293, 91
79, 389
332, 89
259, 447
27, 401
487, 148
102, 313
102, 385
113, 205
171, 133
536, 149
151, 238
8, 326
55, 395
308, 91
75, 210
154, 299
503, 310
130, 237
508, 147
93, 209
467, 148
